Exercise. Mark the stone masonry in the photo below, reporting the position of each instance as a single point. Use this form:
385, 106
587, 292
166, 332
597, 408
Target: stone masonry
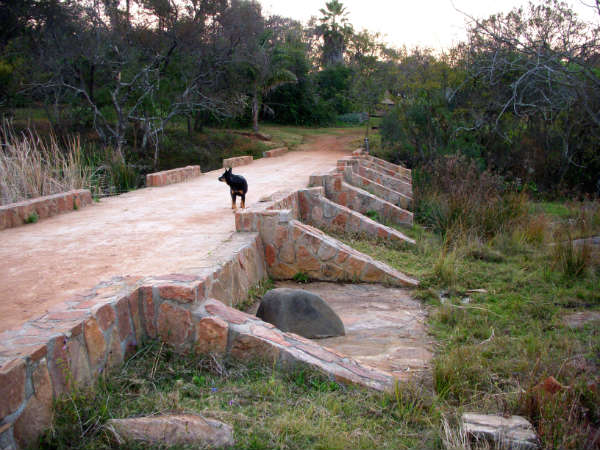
357, 199
17, 214
79, 339
237, 161
275, 152
293, 247
320, 212
178, 175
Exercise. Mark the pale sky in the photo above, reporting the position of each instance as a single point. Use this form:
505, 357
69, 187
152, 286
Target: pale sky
427, 23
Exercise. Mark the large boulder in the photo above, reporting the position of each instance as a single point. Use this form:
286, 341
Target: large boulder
171, 430
300, 312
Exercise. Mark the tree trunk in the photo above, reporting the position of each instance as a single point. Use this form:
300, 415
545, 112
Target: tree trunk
255, 109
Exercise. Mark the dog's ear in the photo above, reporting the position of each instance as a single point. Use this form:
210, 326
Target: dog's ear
230, 169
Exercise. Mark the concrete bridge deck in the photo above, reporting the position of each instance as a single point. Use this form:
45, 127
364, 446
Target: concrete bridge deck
146, 232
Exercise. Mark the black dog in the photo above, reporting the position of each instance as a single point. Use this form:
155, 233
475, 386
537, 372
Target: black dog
237, 185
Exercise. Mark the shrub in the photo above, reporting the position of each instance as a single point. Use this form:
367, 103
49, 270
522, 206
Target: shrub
31, 167
453, 194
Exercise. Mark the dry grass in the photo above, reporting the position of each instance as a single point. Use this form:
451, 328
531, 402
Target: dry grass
31, 167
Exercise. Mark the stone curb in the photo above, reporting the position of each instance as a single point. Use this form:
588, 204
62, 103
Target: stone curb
17, 214
360, 200
383, 192
320, 212
237, 161
172, 176
275, 152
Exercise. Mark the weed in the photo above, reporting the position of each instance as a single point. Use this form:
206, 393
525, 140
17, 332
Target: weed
301, 277
267, 407
255, 293
374, 215
32, 217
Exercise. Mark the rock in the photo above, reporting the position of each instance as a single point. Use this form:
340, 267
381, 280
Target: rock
514, 432
300, 312
580, 319
172, 429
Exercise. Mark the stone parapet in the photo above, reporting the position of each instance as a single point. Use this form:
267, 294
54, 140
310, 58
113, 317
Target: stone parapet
360, 200
325, 214
393, 183
17, 214
389, 195
76, 341
382, 169
237, 161
172, 176
275, 152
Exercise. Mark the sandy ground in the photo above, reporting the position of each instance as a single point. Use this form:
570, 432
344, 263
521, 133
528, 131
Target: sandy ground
150, 231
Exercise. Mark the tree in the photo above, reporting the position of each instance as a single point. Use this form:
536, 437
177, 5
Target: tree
335, 31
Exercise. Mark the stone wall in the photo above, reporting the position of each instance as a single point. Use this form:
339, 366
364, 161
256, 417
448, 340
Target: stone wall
172, 176
394, 168
78, 340
360, 200
322, 213
393, 183
17, 214
275, 152
237, 161
292, 247
396, 198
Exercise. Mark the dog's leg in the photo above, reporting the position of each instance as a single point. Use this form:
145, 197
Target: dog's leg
233, 201
243, 202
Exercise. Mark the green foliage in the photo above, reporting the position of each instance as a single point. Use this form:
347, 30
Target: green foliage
266, 406
32, 217
301, 277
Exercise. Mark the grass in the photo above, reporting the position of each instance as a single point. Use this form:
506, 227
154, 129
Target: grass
495, 346
267, 407
31, 167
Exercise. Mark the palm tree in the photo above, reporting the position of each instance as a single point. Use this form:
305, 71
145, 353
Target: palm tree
335, 30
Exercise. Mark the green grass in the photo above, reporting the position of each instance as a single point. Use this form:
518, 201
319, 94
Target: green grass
494, 347
293, 136
32, 218
268, 408
557, 209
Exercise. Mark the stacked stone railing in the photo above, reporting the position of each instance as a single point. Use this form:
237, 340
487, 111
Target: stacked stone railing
275, 152
357, 199
172, 176
293, 247
237, 161
17, 214
323, 213
389, 168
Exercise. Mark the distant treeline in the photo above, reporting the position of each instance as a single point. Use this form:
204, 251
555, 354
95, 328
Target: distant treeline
521, 96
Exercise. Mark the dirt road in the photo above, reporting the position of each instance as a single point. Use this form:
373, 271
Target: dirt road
147, 232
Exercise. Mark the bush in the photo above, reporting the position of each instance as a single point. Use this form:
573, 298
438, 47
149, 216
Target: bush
454, 197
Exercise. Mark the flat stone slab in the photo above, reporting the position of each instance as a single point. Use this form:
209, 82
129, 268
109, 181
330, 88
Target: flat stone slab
172, 429
385, 327
514, 432
581, 318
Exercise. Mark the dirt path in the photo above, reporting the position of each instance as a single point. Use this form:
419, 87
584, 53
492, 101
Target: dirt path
150, 231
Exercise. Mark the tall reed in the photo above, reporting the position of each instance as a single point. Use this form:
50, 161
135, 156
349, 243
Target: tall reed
32, 167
